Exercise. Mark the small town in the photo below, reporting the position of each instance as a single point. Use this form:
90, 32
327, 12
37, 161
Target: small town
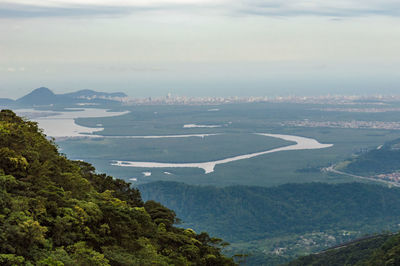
171, 99
393, 177
344, 124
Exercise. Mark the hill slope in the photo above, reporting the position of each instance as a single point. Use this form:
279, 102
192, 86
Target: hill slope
54, 211
44, 96
6, 101
87, 94
383, 160
39, 96
378, 250
245, 213
274, 225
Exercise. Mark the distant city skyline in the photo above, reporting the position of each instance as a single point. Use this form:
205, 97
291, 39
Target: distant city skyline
200, 47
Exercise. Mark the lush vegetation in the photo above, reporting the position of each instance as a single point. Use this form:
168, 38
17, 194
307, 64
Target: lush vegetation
378, 250
387, 254
349, 254
279, 223
54, 211
243, 213
386, 159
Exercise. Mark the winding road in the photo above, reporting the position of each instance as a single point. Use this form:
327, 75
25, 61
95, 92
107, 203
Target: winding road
333, 170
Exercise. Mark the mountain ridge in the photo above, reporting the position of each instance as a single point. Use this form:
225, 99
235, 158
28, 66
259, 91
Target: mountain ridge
45, 96
92, 93
38, 96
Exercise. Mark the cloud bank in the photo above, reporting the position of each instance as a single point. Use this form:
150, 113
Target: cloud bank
334, 8
286, 8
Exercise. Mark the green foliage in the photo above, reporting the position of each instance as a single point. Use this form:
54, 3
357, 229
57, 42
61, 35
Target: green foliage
274, 225
378, 250
353, 253
54, 211
387, 254
377, 161
84, 255
11, 259
241, 213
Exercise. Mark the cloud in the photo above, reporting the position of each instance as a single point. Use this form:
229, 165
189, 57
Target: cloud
132, 68
79, 8
288, 8
21, 10
331, 8
14, 69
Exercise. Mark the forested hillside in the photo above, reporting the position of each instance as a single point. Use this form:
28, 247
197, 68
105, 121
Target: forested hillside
243, 213
378, 250
384, 160
54, 211
274, 225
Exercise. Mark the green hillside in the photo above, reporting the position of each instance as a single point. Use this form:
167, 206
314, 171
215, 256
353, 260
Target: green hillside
378, 250
243, 213
54, 211
383, 160
278, 223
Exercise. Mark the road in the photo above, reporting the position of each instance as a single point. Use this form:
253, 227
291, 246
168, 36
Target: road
333, 170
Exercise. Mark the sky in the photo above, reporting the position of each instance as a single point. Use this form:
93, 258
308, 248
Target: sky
200, 47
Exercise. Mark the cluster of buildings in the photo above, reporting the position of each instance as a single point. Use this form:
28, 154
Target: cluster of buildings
324, 99
393, 177
344, 124
362, 110
184, 100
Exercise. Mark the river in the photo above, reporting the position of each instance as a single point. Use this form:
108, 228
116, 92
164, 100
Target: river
301, 143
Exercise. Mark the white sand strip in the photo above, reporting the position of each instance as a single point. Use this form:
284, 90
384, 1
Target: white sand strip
200, 126
61, 124
161, 136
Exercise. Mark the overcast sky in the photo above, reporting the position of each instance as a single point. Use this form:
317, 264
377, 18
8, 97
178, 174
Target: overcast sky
200, 47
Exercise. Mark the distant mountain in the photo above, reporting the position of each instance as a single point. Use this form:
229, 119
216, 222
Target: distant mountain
90, 94
44, 96
6, 101
40, 96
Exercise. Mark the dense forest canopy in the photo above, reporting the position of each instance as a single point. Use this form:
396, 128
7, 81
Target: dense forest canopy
54, 211
276, 224
383, 160
244, 213
379, 250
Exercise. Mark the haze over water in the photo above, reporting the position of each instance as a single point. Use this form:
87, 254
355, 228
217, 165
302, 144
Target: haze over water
200, 47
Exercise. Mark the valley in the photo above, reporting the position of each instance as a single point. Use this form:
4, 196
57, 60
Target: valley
199, 133
228, 156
